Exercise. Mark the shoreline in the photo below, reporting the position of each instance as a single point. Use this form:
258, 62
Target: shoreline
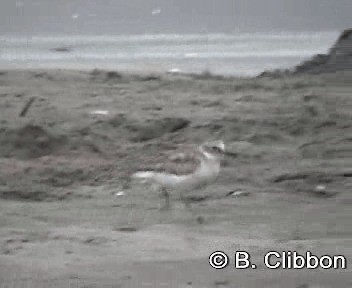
229, 59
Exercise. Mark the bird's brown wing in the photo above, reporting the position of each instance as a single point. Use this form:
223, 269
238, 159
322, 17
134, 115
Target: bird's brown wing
181, 161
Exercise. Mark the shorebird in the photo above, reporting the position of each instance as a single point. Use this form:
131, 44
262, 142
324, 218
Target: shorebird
184, 170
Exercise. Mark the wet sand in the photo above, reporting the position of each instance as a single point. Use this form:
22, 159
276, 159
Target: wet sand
62, 224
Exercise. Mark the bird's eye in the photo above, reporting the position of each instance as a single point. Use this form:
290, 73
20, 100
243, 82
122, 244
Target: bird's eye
216, 149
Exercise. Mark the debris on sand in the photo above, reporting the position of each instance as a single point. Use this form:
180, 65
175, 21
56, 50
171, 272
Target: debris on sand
26, 107
174, 71
313, 182
197, 198
310, 175
126, 229
62, 49
222, 283
120, 193
321, 190
99, 113
156, 11
238, 193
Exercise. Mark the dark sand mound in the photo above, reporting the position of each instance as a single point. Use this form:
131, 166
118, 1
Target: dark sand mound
114, 77
29, 141
138, 130
156, 128
53, 177
24, 194
106, 76
32, 193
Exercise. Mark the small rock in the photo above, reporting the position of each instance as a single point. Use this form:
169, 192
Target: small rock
223, 283
99, 112
62, 49
320, 188
238, 193
303, 286
174, 71
126, 229
200, 220
120, 193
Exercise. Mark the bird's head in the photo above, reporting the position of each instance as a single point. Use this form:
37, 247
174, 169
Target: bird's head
214, 148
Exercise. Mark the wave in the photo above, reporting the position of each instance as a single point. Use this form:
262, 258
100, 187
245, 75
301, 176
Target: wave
169, 37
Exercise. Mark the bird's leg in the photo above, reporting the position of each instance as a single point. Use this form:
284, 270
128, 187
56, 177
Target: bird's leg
166, 197
186, 202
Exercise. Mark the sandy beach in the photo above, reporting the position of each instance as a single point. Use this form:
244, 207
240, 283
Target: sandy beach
71, 217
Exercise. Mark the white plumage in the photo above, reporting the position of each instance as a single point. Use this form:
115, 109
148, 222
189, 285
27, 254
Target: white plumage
186, 169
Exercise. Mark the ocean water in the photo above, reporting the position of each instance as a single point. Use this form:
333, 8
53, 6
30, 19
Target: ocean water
235, 54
